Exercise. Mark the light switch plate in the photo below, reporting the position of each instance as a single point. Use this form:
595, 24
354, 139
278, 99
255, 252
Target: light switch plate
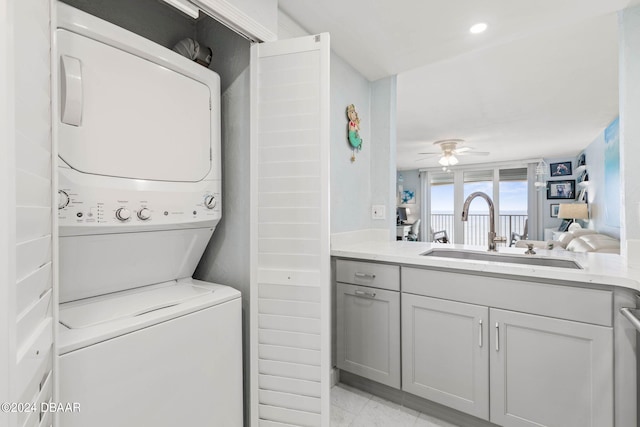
378, 212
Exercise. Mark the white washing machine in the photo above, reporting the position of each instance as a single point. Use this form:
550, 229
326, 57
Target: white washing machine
140, 342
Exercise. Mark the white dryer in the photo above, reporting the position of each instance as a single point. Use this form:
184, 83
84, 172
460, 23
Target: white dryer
141, 343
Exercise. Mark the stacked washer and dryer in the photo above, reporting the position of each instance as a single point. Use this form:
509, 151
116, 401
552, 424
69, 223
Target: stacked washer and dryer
140, 342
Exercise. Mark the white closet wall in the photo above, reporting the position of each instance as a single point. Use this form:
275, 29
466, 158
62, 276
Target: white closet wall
290, 262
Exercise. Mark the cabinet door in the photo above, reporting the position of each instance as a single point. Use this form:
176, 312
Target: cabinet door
550, 372
445, 355
368, 328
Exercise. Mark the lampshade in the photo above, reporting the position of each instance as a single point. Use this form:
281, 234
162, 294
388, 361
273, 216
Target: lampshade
573, 211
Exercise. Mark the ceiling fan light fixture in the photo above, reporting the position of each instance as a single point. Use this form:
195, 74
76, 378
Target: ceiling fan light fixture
448, 160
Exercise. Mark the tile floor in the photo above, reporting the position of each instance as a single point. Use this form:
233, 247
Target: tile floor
351, 407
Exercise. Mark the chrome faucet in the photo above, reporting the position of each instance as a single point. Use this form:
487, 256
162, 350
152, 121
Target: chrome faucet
492, 225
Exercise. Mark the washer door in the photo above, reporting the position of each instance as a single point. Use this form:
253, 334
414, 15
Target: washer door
124, 116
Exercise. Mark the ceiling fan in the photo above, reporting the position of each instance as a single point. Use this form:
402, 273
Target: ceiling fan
449, 150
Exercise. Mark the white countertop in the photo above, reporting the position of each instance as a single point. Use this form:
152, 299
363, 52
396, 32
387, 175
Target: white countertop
598, 268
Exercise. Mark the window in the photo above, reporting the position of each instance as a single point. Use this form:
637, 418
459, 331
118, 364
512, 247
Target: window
506, 186
442, 196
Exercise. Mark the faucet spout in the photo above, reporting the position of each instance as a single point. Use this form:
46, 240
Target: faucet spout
492, 225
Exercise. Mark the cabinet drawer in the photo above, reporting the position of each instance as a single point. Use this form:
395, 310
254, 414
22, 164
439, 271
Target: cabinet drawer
381, 276
563, 302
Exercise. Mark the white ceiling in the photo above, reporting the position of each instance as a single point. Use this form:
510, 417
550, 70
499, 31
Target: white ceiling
541, 81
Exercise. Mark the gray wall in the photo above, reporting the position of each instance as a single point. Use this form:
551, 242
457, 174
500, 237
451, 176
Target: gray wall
383, 150
594, 154
350, 182
629, 84
226, 258
356, 186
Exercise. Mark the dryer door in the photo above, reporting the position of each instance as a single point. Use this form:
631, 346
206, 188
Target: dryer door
124, 116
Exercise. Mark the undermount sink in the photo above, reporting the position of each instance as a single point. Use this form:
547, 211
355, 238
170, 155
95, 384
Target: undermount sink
511, 259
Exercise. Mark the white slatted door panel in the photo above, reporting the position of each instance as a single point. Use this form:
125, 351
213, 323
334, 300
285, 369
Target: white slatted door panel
290, 302
34, 222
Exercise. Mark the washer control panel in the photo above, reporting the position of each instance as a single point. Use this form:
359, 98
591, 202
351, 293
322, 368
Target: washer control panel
155, 204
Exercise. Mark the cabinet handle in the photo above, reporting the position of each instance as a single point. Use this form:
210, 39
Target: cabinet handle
497, 336
480, 333
365, 276
365, 294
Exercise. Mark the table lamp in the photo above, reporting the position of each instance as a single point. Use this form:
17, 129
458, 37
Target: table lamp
573, 211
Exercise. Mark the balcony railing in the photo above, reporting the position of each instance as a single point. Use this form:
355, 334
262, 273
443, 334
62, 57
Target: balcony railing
476, 228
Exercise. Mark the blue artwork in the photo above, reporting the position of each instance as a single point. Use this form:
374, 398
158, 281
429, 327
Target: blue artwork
612, 174
408, 196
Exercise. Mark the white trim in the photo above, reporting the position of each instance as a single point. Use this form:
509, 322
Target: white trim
485, 166
236, 19
325, 226
185, 7
54, 197
7, 213
253, 238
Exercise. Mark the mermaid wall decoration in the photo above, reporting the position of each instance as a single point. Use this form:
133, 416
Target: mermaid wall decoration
355, 141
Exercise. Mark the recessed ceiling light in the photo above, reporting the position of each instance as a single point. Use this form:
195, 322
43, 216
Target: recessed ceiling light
478, 28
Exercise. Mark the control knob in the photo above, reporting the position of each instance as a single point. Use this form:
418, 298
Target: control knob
63, 199
210, 202
144, 214
123, 214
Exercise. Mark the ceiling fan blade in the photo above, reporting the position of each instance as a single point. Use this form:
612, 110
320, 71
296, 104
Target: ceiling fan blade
432, 152
462, 149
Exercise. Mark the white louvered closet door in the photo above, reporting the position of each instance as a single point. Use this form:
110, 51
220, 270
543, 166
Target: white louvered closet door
290, 260
34, 214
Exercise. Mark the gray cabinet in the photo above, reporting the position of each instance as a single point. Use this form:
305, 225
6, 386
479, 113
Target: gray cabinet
368, 322
474, 349
445, 353
550, 372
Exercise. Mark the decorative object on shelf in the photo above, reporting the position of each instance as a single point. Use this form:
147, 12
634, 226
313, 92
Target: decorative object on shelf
408, 197
354, 131
560, 169
583, 196
572, 212
554, 210
582, 160
541, 176
561, 189
583, 178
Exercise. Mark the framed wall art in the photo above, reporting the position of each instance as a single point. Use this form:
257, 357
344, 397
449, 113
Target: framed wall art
560, 169
561, 189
